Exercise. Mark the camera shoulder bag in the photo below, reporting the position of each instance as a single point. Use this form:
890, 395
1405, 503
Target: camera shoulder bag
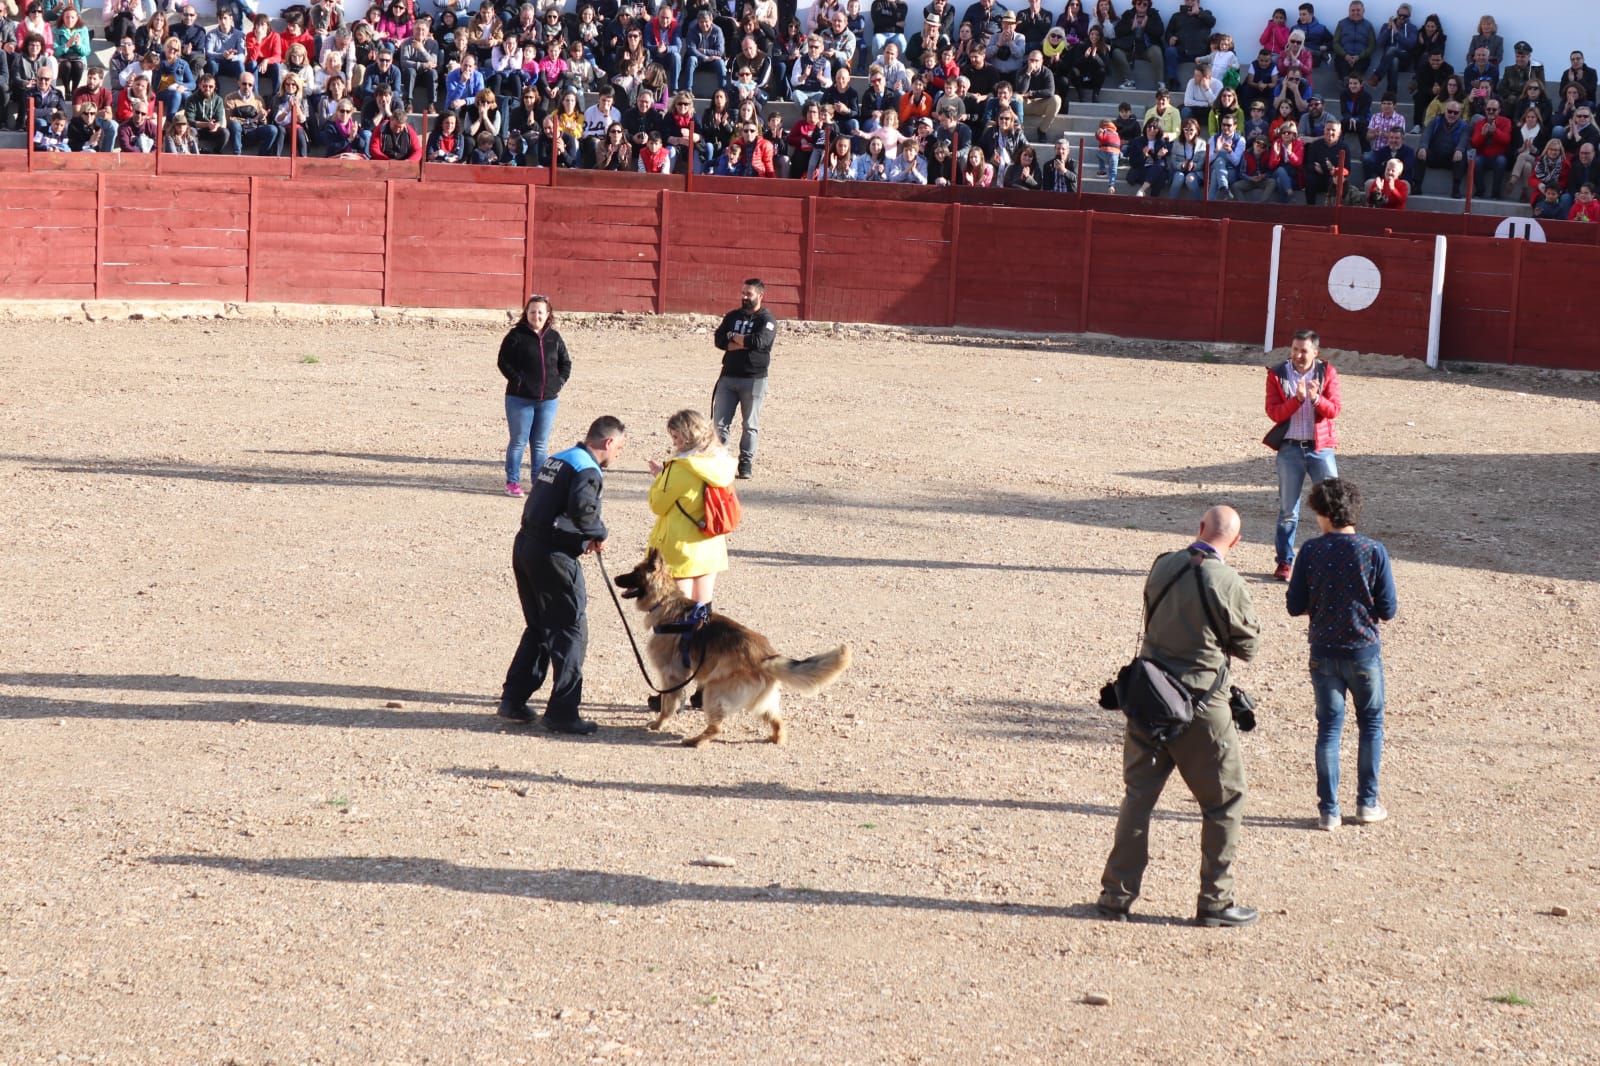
1150, 695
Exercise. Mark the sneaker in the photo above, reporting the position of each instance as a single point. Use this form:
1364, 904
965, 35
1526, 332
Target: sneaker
1371, 815
514, 488
1129, 84
1283, 571
1329, 822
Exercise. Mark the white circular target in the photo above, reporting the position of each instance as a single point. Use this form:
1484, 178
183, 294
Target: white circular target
1354, 282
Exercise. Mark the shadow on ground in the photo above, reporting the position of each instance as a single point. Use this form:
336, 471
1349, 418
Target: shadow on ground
594, 886
776, 791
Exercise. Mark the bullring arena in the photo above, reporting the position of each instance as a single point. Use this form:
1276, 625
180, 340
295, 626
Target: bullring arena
258, 807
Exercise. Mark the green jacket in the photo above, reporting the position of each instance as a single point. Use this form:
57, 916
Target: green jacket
1178, 635
200, 109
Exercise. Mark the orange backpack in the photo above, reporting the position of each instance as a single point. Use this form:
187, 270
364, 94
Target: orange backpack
722, 511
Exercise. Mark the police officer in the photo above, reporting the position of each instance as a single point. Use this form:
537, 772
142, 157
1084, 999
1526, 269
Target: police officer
745, 339
560, 522
1182, 635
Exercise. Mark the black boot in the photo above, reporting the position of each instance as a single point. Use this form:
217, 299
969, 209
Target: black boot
744, 469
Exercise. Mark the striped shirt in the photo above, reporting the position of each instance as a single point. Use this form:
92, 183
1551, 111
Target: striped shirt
1303, 423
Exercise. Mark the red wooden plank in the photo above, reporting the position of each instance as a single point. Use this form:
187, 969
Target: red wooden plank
25, 277
123, 239
242, 165
57, 240
273, 292
137, 274
580, 268
27, 201
310, 278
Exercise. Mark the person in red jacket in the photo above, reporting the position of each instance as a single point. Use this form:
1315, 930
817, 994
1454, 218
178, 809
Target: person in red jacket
1585, 208
758, 151
264, 52
1391, 189
1491, 140
1302, 401
395, 139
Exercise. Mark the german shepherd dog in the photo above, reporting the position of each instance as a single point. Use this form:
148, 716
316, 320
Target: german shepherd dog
736, 667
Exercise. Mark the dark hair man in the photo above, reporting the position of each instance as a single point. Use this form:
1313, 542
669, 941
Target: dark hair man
1192, 627
745, 339
1343, 580
1303, 392
560, 522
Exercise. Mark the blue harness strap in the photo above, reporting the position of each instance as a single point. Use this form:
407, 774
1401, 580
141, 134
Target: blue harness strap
686, 627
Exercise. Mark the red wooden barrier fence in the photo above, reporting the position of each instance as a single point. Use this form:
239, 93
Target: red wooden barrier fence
211, 227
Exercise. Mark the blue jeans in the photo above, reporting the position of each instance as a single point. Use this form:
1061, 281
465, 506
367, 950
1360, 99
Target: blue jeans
528, 420
1363, 679
1391, 63
1186, 179
881, 39
692, 63
744, 396
1295, 462
240, 138
1174, 59
1223, 175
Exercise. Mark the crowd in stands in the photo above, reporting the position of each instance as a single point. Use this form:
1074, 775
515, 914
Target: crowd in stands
949, 99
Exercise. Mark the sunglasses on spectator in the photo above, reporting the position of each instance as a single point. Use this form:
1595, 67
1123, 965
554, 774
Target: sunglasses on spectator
1452, 111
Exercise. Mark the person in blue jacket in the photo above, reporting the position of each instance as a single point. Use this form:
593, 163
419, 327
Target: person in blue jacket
560, 522
1344, 582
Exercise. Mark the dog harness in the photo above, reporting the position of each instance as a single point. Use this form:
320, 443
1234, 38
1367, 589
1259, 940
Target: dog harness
686, 627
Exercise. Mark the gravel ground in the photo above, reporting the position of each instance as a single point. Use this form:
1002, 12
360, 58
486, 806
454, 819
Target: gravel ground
257, 603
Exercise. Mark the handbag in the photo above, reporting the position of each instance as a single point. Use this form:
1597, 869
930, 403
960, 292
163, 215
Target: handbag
1151, 696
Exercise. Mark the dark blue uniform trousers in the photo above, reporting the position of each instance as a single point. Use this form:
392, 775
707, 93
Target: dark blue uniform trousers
554, 601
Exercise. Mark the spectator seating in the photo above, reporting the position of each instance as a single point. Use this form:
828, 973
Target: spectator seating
1078, 125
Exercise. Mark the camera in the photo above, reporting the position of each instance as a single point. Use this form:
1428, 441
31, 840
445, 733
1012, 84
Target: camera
1243, 706
1109, 699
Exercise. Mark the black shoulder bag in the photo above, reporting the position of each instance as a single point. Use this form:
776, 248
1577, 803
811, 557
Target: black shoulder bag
1148, 693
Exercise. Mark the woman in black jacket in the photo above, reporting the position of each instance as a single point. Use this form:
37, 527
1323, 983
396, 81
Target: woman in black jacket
534, 360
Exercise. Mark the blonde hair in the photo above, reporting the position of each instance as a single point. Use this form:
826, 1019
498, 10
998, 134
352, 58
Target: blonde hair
1487, 25
695, 430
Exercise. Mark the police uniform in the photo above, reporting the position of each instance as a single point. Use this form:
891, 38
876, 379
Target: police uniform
560, 518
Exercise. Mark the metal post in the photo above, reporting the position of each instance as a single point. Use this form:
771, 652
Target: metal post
30, 131
1472, 174
161, 123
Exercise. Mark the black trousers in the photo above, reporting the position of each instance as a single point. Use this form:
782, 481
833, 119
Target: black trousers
556, 638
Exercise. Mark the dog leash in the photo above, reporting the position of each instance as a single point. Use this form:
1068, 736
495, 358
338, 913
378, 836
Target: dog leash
634, 644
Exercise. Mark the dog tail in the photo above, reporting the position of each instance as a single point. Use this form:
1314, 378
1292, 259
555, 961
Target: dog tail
809, 675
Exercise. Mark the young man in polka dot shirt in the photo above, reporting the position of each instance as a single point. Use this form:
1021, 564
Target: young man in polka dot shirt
1344, 582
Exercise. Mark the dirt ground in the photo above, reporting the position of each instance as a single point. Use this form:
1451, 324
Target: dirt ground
257, 603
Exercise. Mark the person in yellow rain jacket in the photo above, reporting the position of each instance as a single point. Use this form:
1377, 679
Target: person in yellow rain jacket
678, 499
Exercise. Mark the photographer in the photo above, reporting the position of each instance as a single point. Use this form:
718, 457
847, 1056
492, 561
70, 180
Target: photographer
1343, 580
1198, 614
